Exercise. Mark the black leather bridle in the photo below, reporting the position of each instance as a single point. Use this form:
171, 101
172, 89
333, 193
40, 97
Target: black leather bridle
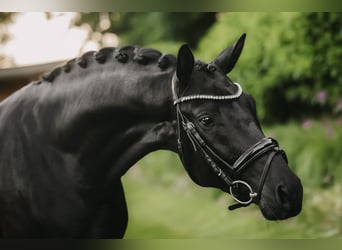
229, 173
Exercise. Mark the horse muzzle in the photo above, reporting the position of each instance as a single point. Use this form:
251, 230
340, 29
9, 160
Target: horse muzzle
283, 202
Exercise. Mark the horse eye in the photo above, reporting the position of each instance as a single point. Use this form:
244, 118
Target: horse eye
206, 120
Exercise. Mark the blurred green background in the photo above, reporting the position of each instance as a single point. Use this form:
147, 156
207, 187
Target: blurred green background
291, 65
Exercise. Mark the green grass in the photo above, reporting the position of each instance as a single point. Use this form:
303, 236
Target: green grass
164, 203
165, 212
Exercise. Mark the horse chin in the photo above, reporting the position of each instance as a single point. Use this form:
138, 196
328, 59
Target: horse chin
273, 213
268, 212
269, 215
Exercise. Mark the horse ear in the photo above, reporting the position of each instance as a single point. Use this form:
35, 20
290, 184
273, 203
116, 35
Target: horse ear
227, 59
185, 64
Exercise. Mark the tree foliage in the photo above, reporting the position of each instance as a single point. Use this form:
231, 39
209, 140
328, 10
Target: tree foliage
323, 34
290, 62
5, 18
148, 27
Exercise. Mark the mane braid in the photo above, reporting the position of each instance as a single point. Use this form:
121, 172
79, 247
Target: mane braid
84, 60
145, 56
67, 67
200, 66
102, 55
52, 75
142, 56
166, 60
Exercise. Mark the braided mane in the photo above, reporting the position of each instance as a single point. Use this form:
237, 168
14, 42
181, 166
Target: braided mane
142, 56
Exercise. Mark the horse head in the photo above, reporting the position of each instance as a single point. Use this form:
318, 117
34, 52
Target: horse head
220, 139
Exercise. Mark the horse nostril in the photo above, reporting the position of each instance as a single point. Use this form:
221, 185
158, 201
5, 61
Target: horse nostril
283, 196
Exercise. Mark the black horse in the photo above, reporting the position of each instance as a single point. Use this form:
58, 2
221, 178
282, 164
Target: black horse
67, 139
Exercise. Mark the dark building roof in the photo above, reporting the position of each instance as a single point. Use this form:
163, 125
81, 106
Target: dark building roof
12, 79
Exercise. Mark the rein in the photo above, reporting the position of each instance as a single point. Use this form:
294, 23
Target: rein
227, 172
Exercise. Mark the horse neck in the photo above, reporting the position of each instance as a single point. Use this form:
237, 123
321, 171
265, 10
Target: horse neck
113, 118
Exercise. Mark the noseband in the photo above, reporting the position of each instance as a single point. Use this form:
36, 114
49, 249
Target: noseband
227, 172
